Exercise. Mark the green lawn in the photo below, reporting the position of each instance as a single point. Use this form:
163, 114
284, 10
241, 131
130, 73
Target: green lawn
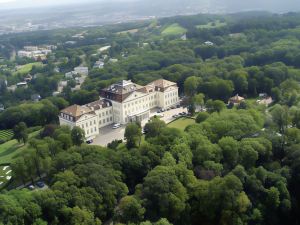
5, 172
211, 25
174, 29
181, 123
28, 67
12, 148
6, 134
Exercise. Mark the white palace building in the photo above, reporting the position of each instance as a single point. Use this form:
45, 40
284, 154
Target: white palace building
123, 102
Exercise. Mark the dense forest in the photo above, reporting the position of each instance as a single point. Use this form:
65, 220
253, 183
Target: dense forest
236, 165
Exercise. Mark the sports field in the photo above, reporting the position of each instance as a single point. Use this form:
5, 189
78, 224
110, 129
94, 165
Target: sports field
6, 135
174, 29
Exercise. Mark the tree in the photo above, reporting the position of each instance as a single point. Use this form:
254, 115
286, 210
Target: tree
164, 194
82, 216
215, 106
48, 130
239, 79
78, 136
129, 210
65, 140
20, 132
191, 85
202, 116
198, 100
154, 127
280, 116
230, 151
133, 134
19, 170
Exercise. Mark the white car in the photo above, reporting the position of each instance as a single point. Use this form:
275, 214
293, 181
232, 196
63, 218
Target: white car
117, 125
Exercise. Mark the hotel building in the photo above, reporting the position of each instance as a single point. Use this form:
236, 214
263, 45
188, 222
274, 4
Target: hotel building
123, 102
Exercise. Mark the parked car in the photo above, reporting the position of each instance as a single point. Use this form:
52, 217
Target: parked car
89, 141
178, 106
116, 126
40, 184
31, 187
175, 116
173, 107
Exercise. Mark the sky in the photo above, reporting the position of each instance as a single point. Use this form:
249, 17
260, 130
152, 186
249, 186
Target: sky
37, 3
231, 5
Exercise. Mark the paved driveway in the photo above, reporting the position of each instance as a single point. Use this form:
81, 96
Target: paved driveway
108, 134
168, 115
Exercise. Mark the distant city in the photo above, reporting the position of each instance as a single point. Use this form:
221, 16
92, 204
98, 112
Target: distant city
88, 15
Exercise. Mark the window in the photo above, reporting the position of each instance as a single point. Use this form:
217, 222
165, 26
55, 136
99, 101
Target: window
95, 122
102, 113
86, 124
107, 120
100, 121
106, 112
111, 118
103, 120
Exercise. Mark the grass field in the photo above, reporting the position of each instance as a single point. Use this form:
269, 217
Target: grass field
28, 67
174, 29
181, 123
12, 148
211, 25
6, 134
5, 175
133, 31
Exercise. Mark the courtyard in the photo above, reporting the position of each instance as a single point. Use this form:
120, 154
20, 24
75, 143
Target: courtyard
108, 134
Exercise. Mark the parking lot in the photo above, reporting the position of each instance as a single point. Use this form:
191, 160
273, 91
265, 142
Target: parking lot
108, 134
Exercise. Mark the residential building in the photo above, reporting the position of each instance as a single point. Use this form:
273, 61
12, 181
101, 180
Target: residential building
2, 108
99, 64
31, 48
24, 54
70, 75
36, 97
22, 84
184, 37
81, 70
123, 102
105, 48
208, 43
236, 100
113, 60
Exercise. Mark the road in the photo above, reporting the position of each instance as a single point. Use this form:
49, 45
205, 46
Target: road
108, 134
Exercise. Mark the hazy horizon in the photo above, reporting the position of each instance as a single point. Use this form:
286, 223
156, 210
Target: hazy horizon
229, 5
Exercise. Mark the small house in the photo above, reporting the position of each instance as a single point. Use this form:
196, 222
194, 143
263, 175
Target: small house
208, 43
2, 108
236, 100
36, 97
81, 70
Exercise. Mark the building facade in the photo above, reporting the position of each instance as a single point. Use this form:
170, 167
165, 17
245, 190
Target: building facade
123, 102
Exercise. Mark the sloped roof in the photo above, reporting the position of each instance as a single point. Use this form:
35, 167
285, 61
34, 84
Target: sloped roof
103, 103
237, 98
76, 110
162, 83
